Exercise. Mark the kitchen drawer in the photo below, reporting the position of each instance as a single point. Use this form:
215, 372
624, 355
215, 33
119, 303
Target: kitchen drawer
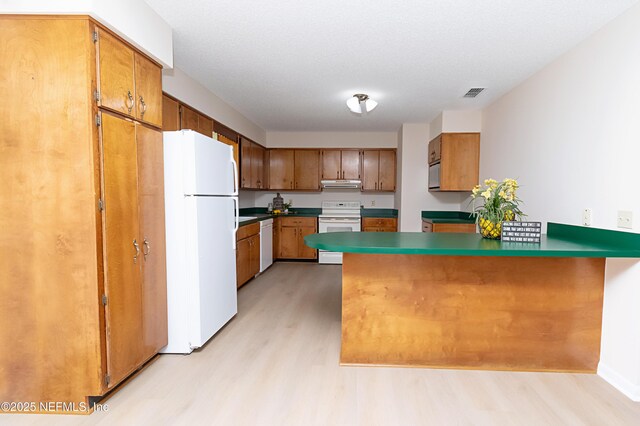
427, 226
435, 149
305, 222
379, 222
247, 231
459, 228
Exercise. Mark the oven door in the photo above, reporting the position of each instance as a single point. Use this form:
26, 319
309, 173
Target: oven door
338, 225
335, 225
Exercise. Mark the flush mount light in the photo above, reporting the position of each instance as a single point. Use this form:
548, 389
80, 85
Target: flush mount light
360, 103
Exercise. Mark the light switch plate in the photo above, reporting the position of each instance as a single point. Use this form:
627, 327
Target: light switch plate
586, 217
625, 219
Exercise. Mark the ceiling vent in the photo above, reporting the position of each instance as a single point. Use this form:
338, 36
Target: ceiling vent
473, 92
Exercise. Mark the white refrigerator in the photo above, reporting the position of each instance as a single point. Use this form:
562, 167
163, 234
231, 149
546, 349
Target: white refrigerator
201, 206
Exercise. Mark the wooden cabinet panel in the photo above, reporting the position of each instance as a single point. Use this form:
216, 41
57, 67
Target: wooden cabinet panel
254, 255
460, 161
170, 114
276, 238
152, 231
350, 164
246, 231
304, 251
434, 149
49, 222
459, 228
459, 157
243, 262
116, 82
370, 164
307, 169
245, 163
379, 224
331, 168
281, 171
148, 77
257, 166
123, 247
205, 125
387, 171
288, 242
188, 118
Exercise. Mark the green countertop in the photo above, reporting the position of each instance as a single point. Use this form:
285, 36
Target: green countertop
260, 214
448, 217
561, 241
378, 212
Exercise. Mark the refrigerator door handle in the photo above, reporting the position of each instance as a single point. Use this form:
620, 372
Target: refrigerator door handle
237, 221
235, 175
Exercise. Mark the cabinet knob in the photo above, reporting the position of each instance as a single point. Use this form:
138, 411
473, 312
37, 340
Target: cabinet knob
147, 248
129, 101
144, 107
137, 248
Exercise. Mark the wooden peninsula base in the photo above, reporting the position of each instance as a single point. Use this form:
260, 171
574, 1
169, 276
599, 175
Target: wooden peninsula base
472, 312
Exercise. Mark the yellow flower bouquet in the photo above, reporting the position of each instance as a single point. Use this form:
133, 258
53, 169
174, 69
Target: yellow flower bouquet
500, 204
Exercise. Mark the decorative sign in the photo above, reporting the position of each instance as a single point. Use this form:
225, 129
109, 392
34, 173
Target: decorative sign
521, 232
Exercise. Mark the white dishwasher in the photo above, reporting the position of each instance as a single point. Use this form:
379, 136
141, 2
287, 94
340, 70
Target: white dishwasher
266, 244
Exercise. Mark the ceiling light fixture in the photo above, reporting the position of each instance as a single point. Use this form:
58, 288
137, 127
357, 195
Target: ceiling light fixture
355, 103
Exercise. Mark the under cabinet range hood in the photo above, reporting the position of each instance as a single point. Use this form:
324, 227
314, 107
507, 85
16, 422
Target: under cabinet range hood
341, 184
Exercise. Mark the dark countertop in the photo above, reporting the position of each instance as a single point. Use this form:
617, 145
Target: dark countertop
447, 217
365, 212
260, 214
561, 241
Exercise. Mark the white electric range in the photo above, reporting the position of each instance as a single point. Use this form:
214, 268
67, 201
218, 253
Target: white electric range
338, 216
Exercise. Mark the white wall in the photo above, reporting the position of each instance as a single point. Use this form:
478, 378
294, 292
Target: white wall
332, 140
415, 196
461, 121
571, 135
178, 84
133, 20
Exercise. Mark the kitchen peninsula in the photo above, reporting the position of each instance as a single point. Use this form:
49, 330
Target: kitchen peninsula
460, 301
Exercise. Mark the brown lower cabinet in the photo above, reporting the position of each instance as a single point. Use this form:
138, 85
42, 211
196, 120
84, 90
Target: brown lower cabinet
247, 253
379, 224
290, 233
458, 228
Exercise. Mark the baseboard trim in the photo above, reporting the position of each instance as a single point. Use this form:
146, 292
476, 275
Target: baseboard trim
632, 391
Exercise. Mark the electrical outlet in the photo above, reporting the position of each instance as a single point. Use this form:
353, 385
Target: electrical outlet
625, 219
586, 217
373, 203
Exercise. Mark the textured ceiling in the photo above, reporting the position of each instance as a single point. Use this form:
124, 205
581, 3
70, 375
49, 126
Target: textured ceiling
290, 65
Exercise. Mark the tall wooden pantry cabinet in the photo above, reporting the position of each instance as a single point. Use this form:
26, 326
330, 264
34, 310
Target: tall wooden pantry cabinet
83, 282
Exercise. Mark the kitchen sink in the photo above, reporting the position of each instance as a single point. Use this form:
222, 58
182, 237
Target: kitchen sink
244, 218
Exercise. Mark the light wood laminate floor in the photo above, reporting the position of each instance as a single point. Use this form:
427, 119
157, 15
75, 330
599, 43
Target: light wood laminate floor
276, 363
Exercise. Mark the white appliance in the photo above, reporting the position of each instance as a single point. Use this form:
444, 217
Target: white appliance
266, 244
201, 206
338, 216
434, 176
341, 184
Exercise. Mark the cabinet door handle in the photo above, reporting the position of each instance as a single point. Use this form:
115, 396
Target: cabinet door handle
129, 101
144, 107
343, 174
376, 185
147, 248
338, 177
137, 247
381, 185
291, 184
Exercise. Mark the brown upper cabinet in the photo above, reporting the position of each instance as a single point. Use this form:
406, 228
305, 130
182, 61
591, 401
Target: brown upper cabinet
379, 170
294, 169
252, 170
307, 169
340, 164
193, 120
128, 82
454, 161
170, 114
281, 169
